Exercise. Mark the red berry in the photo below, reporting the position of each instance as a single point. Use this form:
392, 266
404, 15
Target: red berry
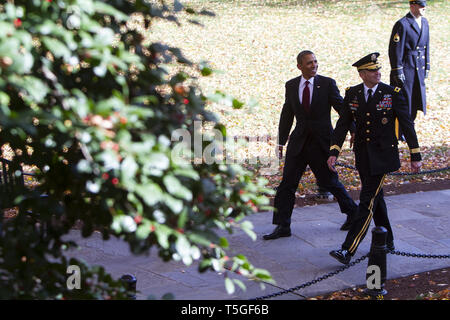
17, 22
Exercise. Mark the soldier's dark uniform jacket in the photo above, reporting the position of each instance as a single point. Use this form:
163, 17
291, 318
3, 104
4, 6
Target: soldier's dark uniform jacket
375, 128
375, 147
409, 53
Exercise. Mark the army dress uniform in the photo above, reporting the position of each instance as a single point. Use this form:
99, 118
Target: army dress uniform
375, 148
409, 56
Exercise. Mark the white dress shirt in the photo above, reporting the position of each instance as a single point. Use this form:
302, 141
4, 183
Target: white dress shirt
366, 91
418, 20
302, 87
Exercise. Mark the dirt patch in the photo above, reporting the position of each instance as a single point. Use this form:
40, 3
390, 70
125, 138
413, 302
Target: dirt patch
429, 285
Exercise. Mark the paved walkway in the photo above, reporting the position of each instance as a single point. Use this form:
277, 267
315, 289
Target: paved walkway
420, 221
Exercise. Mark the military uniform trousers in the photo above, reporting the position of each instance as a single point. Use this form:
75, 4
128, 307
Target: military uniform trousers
371, 205
294, 168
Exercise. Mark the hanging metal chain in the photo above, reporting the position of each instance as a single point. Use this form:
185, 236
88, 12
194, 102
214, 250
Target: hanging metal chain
420, 255
345, 267
309, 283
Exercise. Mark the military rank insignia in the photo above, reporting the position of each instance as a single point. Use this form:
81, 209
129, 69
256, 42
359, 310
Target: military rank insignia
396, 38
384, 120
385, 103
354, 104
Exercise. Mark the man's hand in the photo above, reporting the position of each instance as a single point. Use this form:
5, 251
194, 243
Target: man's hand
331, 162
415, 166
352, 140
280, 152
398, 78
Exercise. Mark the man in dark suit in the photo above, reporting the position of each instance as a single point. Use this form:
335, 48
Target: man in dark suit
409, 56
309, 99
373, 106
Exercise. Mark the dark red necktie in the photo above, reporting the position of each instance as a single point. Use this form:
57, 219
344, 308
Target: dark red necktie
305, 97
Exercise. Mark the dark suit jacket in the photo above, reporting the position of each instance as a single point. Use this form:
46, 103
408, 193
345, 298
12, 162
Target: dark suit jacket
316, 123
409, 50
375, 128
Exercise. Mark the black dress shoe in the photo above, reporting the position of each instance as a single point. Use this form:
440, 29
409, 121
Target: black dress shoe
343, 256
278, 233
347, 224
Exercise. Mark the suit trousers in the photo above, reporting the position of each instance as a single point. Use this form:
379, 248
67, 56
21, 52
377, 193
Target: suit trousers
371, 205
294, 168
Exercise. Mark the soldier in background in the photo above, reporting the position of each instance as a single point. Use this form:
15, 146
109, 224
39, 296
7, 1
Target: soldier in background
409, 55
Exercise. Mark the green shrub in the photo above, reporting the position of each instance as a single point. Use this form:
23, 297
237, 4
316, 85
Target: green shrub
92, 109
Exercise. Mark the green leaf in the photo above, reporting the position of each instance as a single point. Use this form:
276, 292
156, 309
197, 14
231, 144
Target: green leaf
7, 28
247, 227
4, 101
162, 234
151, 193
184, 249
104, 8
187, 172
58, 48
174, 204
204, 265
35, 89
143, 230
175, 187
128, 169
223, 242
156, 161
262, 274
201, 238
240, 284
229, 285
237, 104
183, 218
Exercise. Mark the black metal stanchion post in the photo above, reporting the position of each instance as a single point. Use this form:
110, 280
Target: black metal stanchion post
376, 270
130, 284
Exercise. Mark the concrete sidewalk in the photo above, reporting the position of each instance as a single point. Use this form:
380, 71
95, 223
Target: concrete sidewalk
420, 221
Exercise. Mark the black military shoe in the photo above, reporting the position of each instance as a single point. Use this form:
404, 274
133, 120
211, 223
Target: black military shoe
343, 256
278, 233
347, 224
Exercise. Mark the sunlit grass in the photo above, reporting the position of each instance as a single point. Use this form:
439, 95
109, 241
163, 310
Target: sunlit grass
255, 44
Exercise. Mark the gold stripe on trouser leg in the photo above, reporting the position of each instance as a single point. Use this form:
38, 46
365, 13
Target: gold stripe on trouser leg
396, 128
369, 218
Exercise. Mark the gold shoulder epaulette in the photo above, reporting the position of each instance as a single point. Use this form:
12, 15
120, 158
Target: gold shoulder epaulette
397, 89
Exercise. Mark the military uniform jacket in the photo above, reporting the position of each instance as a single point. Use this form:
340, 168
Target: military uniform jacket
375, 128
409, 50
316, 123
